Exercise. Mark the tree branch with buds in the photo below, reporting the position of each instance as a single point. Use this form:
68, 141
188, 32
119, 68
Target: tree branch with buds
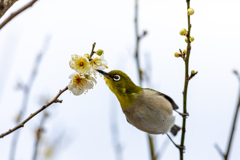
185, 54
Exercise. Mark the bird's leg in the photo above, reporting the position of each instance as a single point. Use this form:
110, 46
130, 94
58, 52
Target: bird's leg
178, 146
184, 115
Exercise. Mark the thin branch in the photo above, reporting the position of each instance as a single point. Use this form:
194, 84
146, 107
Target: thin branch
5, 6
137, 43
14, 14
219, 150
117, 146
233, 125
39, 132
55, 100
225, 156
154, 156
187, 78
92, 51
138, 38
27, 89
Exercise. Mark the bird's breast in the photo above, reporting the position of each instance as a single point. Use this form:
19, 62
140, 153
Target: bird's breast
150, 113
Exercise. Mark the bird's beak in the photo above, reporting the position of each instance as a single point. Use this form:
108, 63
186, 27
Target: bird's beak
103, 73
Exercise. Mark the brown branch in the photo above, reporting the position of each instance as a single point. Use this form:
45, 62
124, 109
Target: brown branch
26, 93
225, 156
138, 38
55, 100
39, 132
14, 14
5, 6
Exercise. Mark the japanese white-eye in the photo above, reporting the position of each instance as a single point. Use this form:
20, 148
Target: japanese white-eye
146, 109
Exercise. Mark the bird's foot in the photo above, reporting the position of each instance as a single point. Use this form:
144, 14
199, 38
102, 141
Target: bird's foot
181, 148
184, 115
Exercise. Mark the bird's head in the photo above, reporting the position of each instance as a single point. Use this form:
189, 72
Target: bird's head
120, 84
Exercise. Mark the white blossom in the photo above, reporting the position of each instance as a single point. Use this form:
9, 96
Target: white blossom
80, 64
80, 83
98, 63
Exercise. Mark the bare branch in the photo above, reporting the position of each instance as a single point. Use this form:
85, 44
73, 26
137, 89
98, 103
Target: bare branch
5, 5
14, 14
219, 150
26, 90
55, 100
39, 132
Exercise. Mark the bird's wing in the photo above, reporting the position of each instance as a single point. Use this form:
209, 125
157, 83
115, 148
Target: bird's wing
174, 105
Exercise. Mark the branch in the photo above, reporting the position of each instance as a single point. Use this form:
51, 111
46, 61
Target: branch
39, 132
138, 38
14, 14
5, 6
225, 156
55, 100
187, 78
92, 51
27, 89
219, 150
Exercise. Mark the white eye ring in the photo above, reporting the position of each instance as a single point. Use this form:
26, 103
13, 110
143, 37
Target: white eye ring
116, 78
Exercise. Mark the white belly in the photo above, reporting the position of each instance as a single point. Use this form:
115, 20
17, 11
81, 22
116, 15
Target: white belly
151, 114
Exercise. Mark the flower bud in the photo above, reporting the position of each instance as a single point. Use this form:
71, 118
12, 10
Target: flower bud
190, 11
87, 56
191, 39
185, 51
193, 72
186, 40
183, 32
176, 54
99, 52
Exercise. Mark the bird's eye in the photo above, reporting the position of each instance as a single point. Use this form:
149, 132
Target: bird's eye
116, 78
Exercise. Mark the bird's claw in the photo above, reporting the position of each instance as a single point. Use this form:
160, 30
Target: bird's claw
184, 115
182, 148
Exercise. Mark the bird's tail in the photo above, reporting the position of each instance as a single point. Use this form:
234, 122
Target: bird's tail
174, 130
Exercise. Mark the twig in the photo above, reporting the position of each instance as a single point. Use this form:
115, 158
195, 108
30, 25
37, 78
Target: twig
219, 150
187, 78
55, 100
92, 51
27, 89
137, 43
138, 38
39, 131
14, 14
117, 146
225, 156
5, 6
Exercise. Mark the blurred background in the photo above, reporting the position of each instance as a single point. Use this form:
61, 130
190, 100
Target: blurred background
35, 50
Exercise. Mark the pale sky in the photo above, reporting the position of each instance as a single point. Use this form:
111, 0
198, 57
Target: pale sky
85, 121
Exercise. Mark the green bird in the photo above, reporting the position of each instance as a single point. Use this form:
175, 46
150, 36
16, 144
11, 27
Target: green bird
146, 109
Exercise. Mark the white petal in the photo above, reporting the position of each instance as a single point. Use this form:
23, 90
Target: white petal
77, 92
93, 79
73, 75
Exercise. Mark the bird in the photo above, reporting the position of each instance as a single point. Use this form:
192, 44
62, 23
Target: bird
148, 110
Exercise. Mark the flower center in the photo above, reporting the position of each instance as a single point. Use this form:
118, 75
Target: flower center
78, 79
81, 64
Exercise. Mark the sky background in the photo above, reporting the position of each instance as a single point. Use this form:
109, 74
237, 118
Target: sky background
84, 123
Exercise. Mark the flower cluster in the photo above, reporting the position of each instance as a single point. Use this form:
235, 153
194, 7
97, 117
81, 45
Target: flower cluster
85, 66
